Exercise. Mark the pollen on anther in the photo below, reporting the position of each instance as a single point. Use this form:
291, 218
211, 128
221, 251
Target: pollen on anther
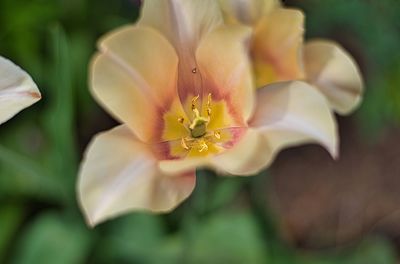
217, 135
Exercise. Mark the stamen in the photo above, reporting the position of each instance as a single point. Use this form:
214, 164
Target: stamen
209, 99
181, 120
194, 100
217, 135
204, 146
183, 144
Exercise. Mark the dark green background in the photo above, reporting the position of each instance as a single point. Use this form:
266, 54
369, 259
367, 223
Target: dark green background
227, 220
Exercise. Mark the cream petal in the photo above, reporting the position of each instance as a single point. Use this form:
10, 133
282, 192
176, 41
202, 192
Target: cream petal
134, 77
120, 174
277, 44
223, 62
247, 12
333, 70
250, 155
17, 90
294, 113
184, 23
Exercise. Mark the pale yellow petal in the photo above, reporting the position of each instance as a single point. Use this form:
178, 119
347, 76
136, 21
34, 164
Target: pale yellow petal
223, 62
119, 174
277, 47
134, 77
247, 12
250, 155
17, 90
295, 113
330, 68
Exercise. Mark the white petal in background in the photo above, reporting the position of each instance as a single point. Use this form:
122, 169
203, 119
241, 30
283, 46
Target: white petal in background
294, 113
330, 68
17, 90
120, 173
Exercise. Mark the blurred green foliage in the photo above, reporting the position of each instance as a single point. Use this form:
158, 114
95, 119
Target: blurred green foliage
226, 220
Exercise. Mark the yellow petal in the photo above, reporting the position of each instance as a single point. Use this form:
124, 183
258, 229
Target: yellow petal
294, 113
333, 70
17, 90
134, 77
247, 12
225, 68
277, 46
119, 174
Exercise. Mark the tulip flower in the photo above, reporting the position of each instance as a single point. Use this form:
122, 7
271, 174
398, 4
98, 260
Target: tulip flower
17, 90
180, 82
279, 53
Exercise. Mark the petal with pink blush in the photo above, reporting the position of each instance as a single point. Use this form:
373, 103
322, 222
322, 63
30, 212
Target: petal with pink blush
17, 90
225, 67
277, 46
183, 23
330, 68
134, 77
120, 174
294, 113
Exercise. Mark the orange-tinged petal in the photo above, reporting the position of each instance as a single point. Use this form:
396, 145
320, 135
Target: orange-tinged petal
330, 68
225, 68
120, 174
277, 46
17, 90
294, 113
247, 12
134, 77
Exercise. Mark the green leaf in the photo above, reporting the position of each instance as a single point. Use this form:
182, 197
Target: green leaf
51, 239
60, 116
29, 177
10, 218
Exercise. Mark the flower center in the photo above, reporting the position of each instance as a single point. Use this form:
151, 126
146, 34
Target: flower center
199, 138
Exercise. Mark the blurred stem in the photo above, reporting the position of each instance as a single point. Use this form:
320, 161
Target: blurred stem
258, 186
193, 210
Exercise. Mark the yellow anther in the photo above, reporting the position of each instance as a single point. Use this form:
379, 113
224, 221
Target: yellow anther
181, 120
183, 144
204, 146
217, 135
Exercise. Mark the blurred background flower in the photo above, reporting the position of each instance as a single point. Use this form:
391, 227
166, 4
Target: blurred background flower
307, 209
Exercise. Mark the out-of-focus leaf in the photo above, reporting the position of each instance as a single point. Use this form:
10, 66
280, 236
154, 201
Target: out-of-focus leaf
29, 177
10, 218
132, 238
228, 237
51, 239
59, 117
